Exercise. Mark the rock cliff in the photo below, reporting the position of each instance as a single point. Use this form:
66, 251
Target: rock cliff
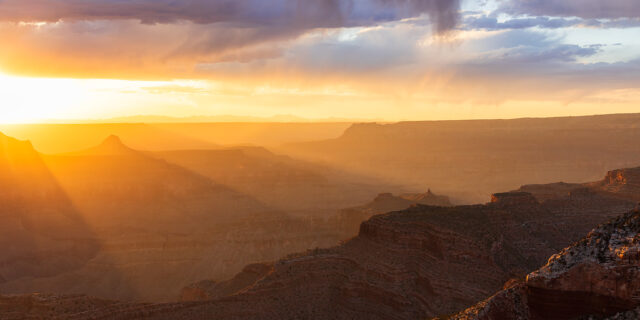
349, 220
598, 276
422, 262
41, 232
471, 159
622, 183
209, 290
417, 263
144, 219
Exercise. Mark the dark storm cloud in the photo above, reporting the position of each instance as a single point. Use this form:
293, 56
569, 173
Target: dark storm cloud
167, 38
588, 9
300, 14
443, 13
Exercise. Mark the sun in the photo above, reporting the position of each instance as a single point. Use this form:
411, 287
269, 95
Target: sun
37, 100
24, 99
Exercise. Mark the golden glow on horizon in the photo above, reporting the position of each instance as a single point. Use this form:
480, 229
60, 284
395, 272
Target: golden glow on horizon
25, 99
37, 100
32, 100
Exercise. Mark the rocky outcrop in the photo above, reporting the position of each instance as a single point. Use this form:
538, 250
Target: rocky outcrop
598, 276
513, 199
621, 182
209, 290
349, 220
544, 192
509, 304
626, 315
429, 198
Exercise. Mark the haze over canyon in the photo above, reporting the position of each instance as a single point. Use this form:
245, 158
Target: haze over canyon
319, 159
242, 232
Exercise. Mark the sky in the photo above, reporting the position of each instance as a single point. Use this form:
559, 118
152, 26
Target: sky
318, 59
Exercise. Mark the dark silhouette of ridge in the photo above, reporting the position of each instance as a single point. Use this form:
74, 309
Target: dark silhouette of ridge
111, 146
159, 220
41, 232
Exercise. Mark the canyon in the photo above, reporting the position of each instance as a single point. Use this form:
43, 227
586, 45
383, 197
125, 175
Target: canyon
41, 233
466, 159
110, 221
421, 262
470, 159
241, 232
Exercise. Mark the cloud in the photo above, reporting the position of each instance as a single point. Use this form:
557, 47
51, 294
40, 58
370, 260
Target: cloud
528, 65
561, 52
485, 22
492, 68
281, 48
587, 9
169, 38
479, 21
276, 14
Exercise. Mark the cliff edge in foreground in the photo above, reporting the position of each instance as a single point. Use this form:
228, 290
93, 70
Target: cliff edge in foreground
596, 278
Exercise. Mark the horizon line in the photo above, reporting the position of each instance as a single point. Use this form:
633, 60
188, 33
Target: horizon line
238, 119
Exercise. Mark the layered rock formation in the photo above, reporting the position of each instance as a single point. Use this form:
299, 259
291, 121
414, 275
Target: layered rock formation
426, 261
348, 220
621, 183
296, 187
209, 290
513, 198
417, 263
468, 160
597, 277
346, 225
420, 262
41, 233
144, 219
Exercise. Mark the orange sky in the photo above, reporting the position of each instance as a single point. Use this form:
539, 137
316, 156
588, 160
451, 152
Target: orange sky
403, 60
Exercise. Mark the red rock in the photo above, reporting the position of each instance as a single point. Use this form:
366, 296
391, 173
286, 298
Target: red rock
597, 276
417, 263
